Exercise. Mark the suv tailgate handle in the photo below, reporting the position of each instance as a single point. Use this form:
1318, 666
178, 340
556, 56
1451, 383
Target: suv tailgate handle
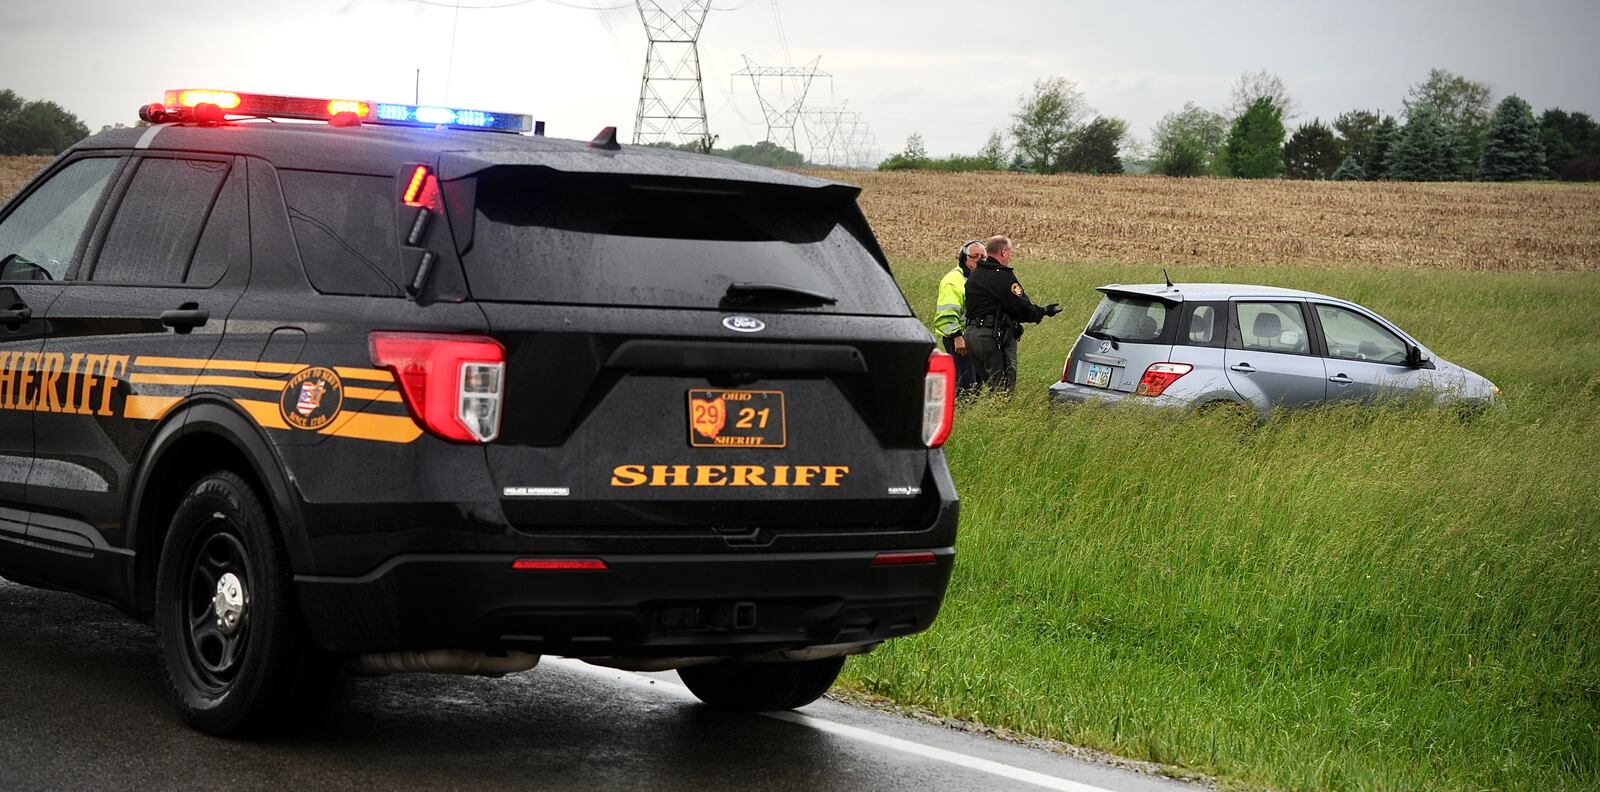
641, 355
187, 317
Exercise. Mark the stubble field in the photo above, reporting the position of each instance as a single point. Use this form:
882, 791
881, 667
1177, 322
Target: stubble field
1389, 598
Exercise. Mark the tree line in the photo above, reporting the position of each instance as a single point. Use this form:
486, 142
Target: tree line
1450, 129
36, 127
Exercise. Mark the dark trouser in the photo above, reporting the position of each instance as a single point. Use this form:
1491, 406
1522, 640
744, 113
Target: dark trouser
966, 372
995, 355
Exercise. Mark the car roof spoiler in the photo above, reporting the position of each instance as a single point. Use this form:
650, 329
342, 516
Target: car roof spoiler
1170, 295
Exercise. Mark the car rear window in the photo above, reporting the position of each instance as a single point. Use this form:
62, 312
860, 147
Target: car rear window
1123, 318
546, 237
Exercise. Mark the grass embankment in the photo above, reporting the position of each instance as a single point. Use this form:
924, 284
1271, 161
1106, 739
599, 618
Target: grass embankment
1344, 598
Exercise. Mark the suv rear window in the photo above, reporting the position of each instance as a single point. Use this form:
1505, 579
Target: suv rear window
1129, 319
547, 237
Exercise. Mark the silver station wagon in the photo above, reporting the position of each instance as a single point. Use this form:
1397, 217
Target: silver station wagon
1196, 345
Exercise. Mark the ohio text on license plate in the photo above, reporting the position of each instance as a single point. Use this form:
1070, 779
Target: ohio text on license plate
1099, 376
736, 419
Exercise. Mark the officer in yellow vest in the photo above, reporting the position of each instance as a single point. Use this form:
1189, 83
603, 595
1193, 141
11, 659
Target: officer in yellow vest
949, 317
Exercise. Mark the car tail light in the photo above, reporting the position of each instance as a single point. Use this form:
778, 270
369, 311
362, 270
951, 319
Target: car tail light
453, 384
938, 399
1066, 369
1159, 377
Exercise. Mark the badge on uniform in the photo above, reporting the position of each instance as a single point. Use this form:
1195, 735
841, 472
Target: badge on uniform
1016, 288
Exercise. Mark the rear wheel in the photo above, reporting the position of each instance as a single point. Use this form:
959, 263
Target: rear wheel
235, 655
761, 687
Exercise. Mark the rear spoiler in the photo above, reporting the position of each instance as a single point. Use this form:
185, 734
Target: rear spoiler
1168, 295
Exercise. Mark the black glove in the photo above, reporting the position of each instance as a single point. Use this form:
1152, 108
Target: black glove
1052, 309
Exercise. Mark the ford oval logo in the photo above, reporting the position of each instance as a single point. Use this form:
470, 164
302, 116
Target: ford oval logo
744, 324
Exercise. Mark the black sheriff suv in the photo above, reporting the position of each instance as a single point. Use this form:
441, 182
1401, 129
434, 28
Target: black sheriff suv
322, 384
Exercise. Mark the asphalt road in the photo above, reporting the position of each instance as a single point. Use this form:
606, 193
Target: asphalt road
82, 707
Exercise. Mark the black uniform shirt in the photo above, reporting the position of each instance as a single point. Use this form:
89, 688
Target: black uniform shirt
993, 289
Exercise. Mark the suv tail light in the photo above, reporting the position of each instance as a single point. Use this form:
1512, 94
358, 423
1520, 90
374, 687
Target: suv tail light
1066, 369
1159, 377
453, 384
938, 399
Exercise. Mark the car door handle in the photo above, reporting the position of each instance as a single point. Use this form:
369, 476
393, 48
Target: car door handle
1245, 368
16, 314
187, 317
1341, 379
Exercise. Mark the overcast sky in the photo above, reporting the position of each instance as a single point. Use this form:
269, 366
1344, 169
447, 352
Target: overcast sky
952, 71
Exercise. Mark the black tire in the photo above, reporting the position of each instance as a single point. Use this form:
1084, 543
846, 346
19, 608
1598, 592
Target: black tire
260, 672
761, 687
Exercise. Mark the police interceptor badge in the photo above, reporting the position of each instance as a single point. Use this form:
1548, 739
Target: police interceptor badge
737, 419
312, 398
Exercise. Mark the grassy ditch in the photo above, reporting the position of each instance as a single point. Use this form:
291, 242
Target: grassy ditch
1342, 598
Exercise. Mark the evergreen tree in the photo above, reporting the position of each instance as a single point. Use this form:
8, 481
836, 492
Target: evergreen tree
1356, 129
1094, 149
1512, 150
1462, 105
1350, 170
1425, 150
1377, 162
1255, 144
1311, 153
1571, 144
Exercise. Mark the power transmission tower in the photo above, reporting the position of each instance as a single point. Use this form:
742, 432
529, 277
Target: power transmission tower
672, 101
783, 112
828, 130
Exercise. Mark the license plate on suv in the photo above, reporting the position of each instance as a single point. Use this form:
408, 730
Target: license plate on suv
737, 419
1099, 376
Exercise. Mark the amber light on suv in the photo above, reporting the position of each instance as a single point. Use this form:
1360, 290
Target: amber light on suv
938, 399
453, 384
1159, 377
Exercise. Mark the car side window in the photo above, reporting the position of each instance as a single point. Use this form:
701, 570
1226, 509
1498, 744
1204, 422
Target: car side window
345, 228
158, 221
1273, 327
1352, 336
225, 241
1203, 325
38, 239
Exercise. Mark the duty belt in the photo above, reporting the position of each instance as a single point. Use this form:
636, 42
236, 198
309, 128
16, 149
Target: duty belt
992, 320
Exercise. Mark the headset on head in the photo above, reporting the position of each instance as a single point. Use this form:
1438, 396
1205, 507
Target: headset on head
961, 252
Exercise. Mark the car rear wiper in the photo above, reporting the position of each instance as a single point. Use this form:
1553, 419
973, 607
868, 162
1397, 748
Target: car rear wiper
746, 292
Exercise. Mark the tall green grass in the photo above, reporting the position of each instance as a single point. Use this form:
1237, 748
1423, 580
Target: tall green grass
1346, 598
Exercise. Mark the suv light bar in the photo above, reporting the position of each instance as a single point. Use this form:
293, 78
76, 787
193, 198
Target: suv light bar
233, 103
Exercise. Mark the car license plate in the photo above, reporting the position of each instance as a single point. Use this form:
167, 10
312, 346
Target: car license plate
736, 419
1099, 376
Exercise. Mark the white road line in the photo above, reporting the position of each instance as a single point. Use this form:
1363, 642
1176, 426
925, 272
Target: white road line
853, 732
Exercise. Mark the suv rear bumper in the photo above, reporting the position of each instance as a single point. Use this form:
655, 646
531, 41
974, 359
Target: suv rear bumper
639, 606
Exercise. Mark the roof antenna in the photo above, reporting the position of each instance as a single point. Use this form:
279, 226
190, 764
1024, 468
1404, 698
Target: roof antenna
1168, 277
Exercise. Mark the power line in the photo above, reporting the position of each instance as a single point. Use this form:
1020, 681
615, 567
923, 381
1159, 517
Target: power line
460, 7
788, 60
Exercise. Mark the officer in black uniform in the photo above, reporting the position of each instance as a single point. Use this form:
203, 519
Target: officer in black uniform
996, 309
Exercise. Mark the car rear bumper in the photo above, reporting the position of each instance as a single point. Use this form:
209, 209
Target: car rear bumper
1071, 393
638, 606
